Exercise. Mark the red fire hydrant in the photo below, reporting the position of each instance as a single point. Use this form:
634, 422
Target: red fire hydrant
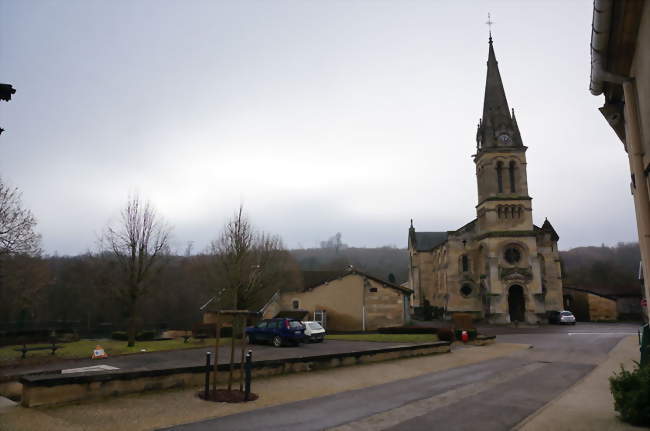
464, 336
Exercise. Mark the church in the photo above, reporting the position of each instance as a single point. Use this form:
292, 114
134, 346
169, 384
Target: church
499, 267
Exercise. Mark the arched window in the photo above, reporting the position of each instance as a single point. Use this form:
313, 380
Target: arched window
500, 176
512, 177
295, 304
465, 263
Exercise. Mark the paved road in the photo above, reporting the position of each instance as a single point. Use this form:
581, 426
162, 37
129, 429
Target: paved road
491, 395
196, 357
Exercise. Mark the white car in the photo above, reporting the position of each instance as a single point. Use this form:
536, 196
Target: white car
314, 332
562, 317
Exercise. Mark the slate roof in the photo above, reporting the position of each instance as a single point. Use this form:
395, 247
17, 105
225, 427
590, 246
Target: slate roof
426, 241
497, 117
548, 227
316, 278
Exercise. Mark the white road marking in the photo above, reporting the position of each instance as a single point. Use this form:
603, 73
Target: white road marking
602, 333
92, 368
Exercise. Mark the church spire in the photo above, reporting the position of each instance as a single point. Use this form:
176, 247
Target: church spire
497, 127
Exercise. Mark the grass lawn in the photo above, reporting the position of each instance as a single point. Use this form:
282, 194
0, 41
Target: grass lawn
84, 348
386, 338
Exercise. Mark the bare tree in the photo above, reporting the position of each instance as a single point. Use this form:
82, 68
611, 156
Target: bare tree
139, 241
249, 265
17, 235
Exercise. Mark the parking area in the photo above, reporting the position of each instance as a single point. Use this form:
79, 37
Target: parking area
196, 357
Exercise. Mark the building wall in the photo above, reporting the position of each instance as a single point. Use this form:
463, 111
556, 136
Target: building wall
587, 306
489, 276
629, 308
384, 307
345, 300
601, 308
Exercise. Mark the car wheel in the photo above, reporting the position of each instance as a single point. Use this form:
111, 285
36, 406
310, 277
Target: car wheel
277, 341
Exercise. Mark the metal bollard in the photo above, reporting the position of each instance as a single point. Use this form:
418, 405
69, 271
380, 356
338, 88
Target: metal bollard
247, 374
206, 392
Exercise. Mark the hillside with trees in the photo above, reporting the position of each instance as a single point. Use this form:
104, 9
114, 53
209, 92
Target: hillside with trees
46, 291
607, 270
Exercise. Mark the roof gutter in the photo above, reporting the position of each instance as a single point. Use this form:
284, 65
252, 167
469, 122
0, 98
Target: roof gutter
600, 32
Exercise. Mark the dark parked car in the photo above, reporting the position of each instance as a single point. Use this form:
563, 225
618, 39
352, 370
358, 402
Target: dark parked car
276, 331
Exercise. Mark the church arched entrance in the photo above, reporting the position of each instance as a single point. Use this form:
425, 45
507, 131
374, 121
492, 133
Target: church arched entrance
516, 303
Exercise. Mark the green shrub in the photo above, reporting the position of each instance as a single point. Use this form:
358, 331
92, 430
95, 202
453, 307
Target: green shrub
631, 391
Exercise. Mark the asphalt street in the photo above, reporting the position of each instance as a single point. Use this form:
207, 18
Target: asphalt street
196, 357
491, 395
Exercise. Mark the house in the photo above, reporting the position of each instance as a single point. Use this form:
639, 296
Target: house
588, 306
344, 301
620, 71
604, 303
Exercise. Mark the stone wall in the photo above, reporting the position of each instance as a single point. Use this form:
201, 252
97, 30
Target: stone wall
601, 308
56, 389
384, 307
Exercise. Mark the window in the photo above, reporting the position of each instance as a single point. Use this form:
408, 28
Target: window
373, 289
295, 304
500, 177
466, 290
512, 255
465, 263
512, 177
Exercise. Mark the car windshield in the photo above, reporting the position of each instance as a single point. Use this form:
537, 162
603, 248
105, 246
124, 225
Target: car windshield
315, 326
567, 313
295, 324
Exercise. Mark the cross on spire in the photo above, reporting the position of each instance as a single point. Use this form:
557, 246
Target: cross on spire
489, 22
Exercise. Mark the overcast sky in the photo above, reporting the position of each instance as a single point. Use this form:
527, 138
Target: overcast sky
319, 116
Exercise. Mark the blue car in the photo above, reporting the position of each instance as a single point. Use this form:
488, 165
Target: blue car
276, 331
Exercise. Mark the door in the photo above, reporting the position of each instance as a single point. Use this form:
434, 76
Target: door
516, 305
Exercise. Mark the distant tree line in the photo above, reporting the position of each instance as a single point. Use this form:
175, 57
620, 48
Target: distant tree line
133, 281
603, 269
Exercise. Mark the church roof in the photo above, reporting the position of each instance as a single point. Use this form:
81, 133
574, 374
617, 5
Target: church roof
548, 227
425, 241
495, 104
497, 119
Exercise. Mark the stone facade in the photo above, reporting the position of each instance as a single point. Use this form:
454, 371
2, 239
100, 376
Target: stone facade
500, 266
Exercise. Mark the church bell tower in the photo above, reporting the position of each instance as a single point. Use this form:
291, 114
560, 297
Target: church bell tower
503, 201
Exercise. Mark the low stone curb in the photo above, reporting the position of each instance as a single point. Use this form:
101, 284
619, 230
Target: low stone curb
53, 389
